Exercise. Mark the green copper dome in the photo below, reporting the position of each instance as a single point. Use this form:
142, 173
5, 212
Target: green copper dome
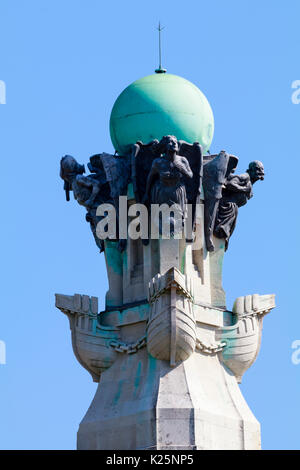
158, 105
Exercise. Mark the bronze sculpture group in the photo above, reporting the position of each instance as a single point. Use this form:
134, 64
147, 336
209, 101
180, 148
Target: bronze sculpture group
165, 172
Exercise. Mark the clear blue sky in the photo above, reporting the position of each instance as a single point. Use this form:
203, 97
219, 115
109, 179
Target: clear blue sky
64, 64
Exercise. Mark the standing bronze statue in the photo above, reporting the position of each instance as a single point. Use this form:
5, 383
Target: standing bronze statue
172, 170
236, 193
164, 183
216, 171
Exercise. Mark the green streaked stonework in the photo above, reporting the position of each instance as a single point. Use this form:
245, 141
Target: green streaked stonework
123, 317
182, 267
114, 257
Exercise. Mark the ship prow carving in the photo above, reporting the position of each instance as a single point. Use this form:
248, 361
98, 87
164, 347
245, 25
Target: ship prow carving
243, 339
90, 340
171, 328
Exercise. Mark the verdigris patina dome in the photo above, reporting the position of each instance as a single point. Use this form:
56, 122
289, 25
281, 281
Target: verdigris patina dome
158, 105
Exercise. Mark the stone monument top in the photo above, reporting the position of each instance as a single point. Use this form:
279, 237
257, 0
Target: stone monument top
169, 352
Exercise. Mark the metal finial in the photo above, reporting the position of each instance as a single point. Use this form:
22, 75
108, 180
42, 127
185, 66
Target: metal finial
160, 69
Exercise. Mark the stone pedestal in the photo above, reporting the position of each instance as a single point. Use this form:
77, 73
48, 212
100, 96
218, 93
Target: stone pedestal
143, 403
166, 352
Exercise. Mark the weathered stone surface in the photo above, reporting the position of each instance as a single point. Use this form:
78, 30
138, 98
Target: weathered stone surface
168, 399
143, 403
